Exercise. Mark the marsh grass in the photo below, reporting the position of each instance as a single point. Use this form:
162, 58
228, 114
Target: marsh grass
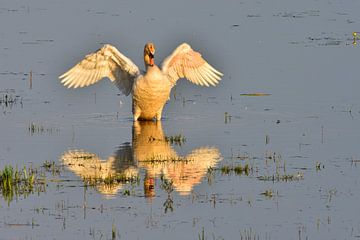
178, 139
249, 234
285, 177
237, 169
201, 236
113, 232
15, 182
162, 159
269, 193
274, 160
52, 167
168, 186
8, 100
40, 129
111, 180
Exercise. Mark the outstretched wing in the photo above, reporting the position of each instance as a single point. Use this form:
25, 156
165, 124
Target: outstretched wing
184, 62
106, 62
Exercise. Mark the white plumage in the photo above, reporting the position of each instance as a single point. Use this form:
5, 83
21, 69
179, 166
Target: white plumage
151, 90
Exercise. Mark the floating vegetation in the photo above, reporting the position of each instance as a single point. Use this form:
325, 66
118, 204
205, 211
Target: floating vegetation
113, 232
310, 13
238, 169
284, 177
178, 139
225, 169
8, 100
202, 234
110, 180
227, 118
268, 193
354, 38
279, 170
258, 94
51, 167
126, 192
248, 234
40, 129
162, 159
319, 166
168, 187
23, 182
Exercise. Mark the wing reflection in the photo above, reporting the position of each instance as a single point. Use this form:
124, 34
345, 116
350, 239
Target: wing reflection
149, 151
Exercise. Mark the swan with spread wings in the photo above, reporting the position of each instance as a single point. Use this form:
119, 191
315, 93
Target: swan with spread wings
150, 90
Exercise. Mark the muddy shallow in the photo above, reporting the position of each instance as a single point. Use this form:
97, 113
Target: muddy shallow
281, 166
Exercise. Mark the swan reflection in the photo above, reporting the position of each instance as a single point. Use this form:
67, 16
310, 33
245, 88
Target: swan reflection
150, 151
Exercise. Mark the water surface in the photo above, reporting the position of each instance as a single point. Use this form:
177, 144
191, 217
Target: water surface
299, 144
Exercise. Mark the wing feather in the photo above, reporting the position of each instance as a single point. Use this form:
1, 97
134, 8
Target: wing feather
184, 62
106, 62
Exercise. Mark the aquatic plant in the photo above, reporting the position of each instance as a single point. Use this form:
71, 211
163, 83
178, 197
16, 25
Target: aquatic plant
111, 179
40, 129
178, 139
268, 193
51, 167
202, 234
167, 186
237, 169
285, 177
113, 232
161, 159
227, 118
8, 100
248, 234
20, 182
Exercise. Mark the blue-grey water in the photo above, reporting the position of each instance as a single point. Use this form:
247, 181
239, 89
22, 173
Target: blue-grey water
306, 133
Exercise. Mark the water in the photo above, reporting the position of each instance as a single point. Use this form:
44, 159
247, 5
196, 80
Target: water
305, 133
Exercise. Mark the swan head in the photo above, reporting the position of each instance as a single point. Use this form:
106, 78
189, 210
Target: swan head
149, 52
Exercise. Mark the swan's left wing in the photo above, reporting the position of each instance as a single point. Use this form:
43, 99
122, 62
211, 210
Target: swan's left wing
106, 62
184, 62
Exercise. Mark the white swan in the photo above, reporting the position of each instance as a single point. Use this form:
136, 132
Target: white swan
151, 90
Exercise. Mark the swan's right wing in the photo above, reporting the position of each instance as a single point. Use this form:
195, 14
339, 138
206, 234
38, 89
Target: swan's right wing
106, 62
184, 62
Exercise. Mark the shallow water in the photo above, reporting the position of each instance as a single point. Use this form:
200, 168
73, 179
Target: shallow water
300, 143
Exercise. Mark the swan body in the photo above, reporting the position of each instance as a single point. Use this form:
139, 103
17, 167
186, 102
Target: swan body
150, 90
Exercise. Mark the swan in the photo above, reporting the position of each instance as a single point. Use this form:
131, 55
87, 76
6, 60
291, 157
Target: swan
150, 89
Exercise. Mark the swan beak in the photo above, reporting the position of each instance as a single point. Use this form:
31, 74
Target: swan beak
151, 56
